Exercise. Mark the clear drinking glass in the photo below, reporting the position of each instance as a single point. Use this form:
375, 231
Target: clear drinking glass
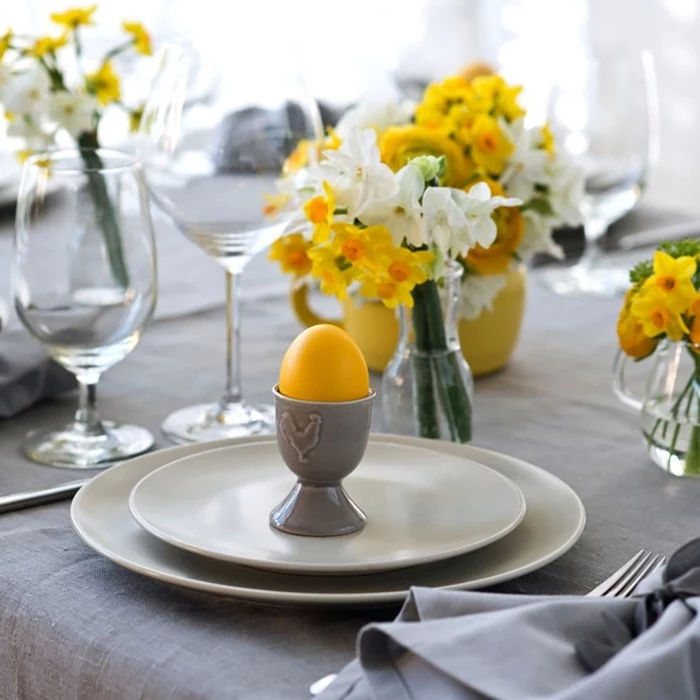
85, 286
210, 165
603, 112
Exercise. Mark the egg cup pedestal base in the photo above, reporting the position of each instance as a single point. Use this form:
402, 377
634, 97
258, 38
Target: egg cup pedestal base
318, 511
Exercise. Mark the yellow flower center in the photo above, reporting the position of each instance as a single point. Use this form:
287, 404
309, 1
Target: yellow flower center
353, 249
317, 210
695, 308
399, 271
386, 290
487, 142
667, 283
297, 258
660, 317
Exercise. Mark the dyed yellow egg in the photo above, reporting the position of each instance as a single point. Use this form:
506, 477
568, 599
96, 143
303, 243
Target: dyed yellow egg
324, 363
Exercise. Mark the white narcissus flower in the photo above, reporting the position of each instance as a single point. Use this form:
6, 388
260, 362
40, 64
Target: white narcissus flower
457, 220
566, 189
402, 213
537, 237
356, 173
527, 164
26, 92
75, 113
374, 115
478, 292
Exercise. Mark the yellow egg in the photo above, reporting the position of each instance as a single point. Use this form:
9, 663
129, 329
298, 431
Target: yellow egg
324, 363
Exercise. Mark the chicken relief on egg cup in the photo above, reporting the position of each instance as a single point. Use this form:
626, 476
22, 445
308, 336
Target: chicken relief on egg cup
321, 442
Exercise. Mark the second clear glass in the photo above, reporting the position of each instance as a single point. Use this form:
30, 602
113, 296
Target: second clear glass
212, 161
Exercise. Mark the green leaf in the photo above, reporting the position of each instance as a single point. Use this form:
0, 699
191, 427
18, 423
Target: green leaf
539, 205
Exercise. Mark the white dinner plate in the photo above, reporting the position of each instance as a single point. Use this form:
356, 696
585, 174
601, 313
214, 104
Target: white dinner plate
552, 524
421, 506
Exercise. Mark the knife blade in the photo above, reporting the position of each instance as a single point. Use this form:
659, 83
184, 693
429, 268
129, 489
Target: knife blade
38, 497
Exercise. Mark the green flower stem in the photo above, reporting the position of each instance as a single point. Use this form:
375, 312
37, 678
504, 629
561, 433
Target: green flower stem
103, 205
426, 410
692, 455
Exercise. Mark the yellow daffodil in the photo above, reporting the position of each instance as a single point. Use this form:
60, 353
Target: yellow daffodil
436, 109
298, 158
490, 147
324, 267
275, 203
401, 143
5, 41
548, 143
694, 312
391, 294
141, 38
291, 252
46, 44
673, 280
360, 246
630, 333
650, 308
332, 142
510, 227
74, 17
319, 211
491, 95
104, 84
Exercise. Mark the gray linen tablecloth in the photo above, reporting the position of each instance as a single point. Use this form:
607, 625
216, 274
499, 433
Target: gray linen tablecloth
73, 625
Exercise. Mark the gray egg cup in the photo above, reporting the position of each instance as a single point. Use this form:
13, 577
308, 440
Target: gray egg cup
321, 443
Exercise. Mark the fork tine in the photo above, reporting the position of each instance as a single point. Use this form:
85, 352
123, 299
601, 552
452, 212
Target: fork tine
652, 565
609, 582
631, 576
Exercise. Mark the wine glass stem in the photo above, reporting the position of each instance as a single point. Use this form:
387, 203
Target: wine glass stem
594, 231
87, 421
232, 390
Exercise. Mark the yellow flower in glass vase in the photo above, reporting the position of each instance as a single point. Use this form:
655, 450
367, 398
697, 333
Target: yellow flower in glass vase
651, 310
291, 252
548, 144
490, 147
326, 267
140, 37
74, 17
104, 84
630, 332
491, 95
319, 211
360, 246
400, 144
673, 280
46, 45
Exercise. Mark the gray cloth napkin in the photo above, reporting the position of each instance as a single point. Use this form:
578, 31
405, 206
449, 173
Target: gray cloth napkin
452, 645
27, 375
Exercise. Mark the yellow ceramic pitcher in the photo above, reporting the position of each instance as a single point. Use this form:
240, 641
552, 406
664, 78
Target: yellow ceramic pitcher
487, 341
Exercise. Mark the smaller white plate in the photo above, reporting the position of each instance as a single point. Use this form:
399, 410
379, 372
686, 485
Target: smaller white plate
421, 506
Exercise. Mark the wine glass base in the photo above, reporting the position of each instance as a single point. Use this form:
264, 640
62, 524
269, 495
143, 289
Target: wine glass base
65, 448
578, 280
207, 422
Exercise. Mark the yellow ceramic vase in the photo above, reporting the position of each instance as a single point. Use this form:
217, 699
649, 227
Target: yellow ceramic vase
487, 342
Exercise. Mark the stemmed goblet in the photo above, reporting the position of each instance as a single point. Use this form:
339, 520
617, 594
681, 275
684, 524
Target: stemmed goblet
603, 111
85, 286
211, 166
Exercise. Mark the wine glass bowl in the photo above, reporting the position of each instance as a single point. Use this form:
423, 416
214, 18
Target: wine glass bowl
603, 112
211, 164
85, 287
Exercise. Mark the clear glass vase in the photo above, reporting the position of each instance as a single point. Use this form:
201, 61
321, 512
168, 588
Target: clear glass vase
427, 387
670, 407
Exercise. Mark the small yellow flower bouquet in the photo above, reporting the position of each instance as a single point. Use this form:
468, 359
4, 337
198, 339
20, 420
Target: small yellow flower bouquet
47, 93
476, 127
662, 310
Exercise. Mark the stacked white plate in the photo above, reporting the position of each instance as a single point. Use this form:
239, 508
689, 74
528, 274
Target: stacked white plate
439, 515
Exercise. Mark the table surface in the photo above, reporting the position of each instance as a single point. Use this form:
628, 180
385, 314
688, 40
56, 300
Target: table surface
75, 625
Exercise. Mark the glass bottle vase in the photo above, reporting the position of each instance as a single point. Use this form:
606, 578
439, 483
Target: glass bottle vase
427, 387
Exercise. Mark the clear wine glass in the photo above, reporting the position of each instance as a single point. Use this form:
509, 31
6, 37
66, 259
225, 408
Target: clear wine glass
603, 112
210, 164
85, 286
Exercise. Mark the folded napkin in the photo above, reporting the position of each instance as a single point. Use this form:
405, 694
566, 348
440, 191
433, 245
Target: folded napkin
451, 645
27, 375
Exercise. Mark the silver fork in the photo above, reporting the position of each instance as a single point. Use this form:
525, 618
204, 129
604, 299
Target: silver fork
621, 584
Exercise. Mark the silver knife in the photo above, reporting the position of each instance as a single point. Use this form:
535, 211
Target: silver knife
29, 499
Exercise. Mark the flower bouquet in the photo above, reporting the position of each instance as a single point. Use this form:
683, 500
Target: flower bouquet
399, 193
660, 316
48, 95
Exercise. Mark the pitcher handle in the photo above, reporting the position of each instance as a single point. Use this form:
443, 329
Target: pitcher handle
299, 299
619, 384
